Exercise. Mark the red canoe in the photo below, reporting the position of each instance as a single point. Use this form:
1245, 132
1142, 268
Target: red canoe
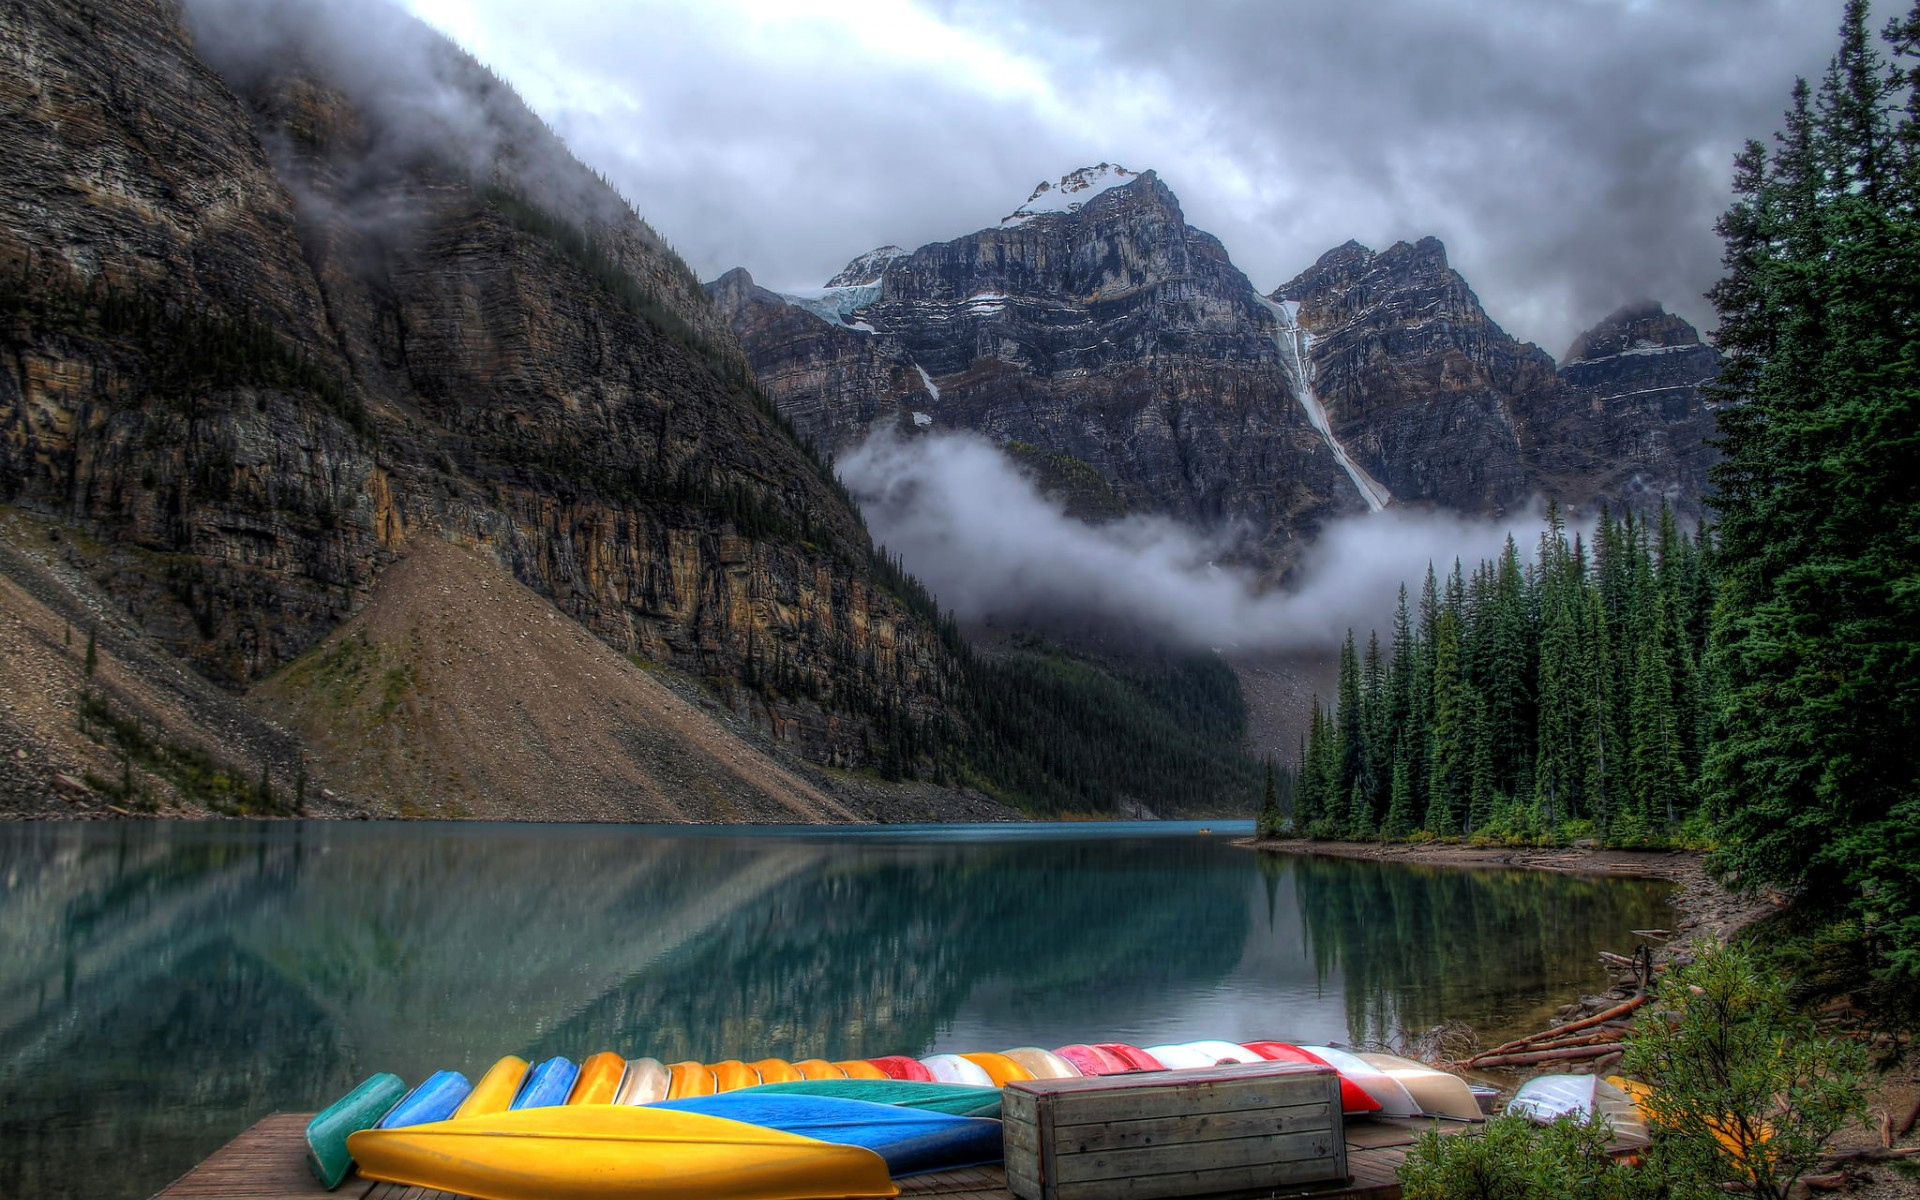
1354, 1099
1135, 1058
1092, 1060
899, 1066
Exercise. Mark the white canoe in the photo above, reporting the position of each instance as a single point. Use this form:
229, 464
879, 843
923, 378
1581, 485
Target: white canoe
1550, 1097
1225, 1052
1395, 1100
1180, 1057
1437, 1093
951, 1068
644, 1083
1044, 1064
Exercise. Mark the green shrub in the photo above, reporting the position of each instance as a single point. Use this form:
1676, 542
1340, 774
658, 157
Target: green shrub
1514, 1159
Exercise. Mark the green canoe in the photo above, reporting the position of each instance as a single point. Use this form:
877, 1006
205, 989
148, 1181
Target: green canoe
359, 1109
960, 1100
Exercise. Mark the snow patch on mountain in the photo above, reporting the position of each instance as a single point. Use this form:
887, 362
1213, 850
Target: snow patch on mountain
927, 381
1074, 190
1294, 342
836, 305
869, 267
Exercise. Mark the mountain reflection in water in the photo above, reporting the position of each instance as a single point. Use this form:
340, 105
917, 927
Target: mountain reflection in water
163, 985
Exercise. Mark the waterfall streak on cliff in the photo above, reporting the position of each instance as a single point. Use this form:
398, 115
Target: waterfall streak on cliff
1293, 343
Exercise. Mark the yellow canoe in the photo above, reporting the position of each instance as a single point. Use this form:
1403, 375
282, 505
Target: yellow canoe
495, 1090
646, 1081
689, 1079
733, 1074
1044, 1064
860, 1068
818, 1068
601, 1151
599, 1079
776, 1070
1000, 1068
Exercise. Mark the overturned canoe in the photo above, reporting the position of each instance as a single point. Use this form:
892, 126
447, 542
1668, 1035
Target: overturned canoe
1547, 1098
1395, 1100
601, 1151
646, 1080
951, 1068
599, 1079
899, 1066
776, 1070
496, 1089
359, 1109
818, 1068
689, 1078
911, 1140
547, 1085
732, 1075
1180, 1057
1092, 1060
1044, 1064
1436, 1092
434, 1100
1000, 1069
1135, 1058
1354, 1099
1222, 1052
860, 1068
958, 1099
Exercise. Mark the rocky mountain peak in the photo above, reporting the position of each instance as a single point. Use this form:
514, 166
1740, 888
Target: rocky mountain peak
1642, 327
1073, 191
867, 268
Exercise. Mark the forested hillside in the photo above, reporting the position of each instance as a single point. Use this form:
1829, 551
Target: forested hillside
1756, 685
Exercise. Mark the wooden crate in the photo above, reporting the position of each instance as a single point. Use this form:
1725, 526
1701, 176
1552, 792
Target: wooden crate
1237, 1128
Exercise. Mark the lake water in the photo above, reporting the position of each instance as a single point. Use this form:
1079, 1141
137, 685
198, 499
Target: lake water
164, 985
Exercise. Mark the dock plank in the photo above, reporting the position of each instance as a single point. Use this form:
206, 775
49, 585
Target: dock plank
267, 1162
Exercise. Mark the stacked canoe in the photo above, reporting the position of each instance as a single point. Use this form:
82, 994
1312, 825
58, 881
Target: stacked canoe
611, 1125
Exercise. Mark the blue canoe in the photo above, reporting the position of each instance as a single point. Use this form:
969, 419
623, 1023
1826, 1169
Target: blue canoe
433, 1100
910, 1139
547, 1085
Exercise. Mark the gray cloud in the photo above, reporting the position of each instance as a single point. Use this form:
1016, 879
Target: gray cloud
980, 535
1572, 153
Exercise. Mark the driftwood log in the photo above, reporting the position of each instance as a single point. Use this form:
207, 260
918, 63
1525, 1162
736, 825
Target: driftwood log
1532, 1057
1557, 1033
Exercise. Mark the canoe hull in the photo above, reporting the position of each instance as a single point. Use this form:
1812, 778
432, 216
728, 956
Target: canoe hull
732, 1075
910, 1140
999, 1068
599, 1152
547, 1084
951, 1068
1044, 1064
496, 1089
899, 1066
599, 1079
958, 1099
434, 1100
646, 1080
359, 1109
1355, 1101
1437, 1093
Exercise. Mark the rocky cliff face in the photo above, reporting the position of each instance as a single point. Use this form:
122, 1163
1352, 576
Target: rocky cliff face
1443, 406
258, 337
1095, 326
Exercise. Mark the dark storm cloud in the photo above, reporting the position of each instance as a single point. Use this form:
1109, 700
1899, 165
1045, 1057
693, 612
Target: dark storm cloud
1572, 153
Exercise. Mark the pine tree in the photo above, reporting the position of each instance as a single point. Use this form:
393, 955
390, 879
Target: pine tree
1449, 754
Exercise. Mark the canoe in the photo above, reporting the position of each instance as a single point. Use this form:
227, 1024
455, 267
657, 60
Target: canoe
911, 1140
1092, 1060
999, 1068
1722, 1128
1223, 1052
1135, 1058
359, 1109
547, 1085
775, 1070
1395, 1100
899, 1066
596, 1151
434, 1100
951, 1068
1044, 1064
860, 1068
960, 1100
689, 1078
1438, 1093
1546, 1098
1354, 1100
496, 1089
646, 1080
818, 1068
599, 1079
1180, 1057
732, 1075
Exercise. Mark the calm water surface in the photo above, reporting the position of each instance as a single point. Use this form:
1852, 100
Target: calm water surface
164, 985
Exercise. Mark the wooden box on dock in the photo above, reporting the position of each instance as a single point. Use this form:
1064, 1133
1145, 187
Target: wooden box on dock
1214, 1130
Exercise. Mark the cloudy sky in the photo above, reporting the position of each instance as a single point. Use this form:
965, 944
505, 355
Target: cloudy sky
1571, 153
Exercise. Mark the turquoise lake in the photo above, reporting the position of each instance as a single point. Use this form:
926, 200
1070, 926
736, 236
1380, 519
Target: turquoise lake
164, 985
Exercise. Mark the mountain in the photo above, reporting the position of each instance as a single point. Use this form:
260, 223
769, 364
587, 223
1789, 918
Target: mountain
272, 323
1093, 327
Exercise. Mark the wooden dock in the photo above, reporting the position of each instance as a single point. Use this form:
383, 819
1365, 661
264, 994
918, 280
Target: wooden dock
268, 1162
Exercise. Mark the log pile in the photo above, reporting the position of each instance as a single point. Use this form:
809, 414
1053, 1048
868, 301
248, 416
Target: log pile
1595, 1037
